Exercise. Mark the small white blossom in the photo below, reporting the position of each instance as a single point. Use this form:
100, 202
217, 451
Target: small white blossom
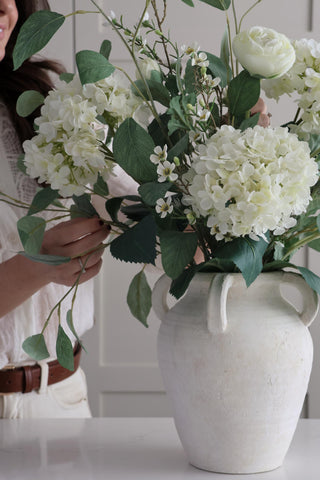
159, 155
165, 172
200, 60
190, 49
164, 206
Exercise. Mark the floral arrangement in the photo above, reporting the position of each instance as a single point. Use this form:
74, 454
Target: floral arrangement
209, 177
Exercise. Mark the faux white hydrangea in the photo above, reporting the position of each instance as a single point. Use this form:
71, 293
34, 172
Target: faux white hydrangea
246, 183
66, 151
303, 78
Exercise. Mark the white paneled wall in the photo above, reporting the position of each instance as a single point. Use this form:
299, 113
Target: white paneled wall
123, 375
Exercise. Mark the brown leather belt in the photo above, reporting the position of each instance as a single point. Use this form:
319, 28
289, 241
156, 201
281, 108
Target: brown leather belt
27, 378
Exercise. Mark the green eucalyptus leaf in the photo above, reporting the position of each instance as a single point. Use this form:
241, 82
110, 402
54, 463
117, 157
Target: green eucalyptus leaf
246, 254
158, 91
35, 347
137, 244
150, 192
48, 259
28, 101
101, 187
31, 230
177, 251
34, 34
132, 147
179, 147
66, 77
42, 200
221, 4
243, 93
250, 122
72, 328
92, 66
105, 48
139, 298
83, 207
64, 350
218, 68
189, 2
224, 50
311, 278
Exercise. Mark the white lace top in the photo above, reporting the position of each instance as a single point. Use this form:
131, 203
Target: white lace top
28, 318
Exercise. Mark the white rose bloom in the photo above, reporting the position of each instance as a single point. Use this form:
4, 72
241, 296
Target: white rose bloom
246, 183
264, 52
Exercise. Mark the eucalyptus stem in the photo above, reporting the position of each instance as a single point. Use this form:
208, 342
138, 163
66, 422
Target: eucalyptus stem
154, 5
230, 43
247, 11
304, 241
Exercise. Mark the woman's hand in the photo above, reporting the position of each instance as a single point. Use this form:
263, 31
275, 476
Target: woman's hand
80, 238
264, 117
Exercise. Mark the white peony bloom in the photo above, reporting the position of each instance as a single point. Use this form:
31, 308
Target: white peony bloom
263, 52
246, 183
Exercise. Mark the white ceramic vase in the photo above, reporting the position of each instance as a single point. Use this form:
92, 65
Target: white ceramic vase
236, 363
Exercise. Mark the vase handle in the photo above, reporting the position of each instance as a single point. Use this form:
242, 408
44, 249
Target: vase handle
217, 303
159, 296
310, 297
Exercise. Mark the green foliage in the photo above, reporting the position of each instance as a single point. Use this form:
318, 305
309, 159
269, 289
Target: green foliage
67, 77
35, 347
105, 48
158, 92
72, 328
132, 148
64, 350
243, 93
34, 34
93, 66
139, 297
219, 69
28, 101
101, 187
20, 164
180, 284
31, 230
177, 250
189, 2
42, 200
150, 192
48, 259
311, 278
83, 207
137, 244
221, 4
249, 122
246, 254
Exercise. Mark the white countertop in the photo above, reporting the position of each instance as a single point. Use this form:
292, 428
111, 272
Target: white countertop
127, 449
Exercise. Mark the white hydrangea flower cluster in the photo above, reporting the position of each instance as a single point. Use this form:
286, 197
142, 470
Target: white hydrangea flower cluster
303, 78
246, 183
66, 152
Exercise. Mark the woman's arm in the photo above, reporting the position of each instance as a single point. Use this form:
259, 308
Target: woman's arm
20, 277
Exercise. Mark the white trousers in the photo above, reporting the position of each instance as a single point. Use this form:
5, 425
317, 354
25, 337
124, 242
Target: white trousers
65, 399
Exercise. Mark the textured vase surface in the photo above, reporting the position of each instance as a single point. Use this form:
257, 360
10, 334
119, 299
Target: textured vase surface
236, 363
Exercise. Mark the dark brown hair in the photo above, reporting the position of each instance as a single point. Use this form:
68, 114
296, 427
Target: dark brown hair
32, 75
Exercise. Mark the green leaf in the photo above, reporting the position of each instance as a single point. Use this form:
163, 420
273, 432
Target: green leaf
249, 122
34, 34
31, 230
28, 101
132, 147
92, 66
150, 192
101, 187
72, 328
178, 148
180, 284
224, 49
139, 298
311, 278
137, 244
158, 91
35, 347
21, 164
113, 206
83, 207
189, 2
42, 200
218, 69
247, 254
221, 4
177, 251
64, 350
243, 93
48, 259
66, 77
105, 48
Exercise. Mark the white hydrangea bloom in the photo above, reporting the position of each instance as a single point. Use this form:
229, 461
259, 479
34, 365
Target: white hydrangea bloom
246, 183
66, 151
